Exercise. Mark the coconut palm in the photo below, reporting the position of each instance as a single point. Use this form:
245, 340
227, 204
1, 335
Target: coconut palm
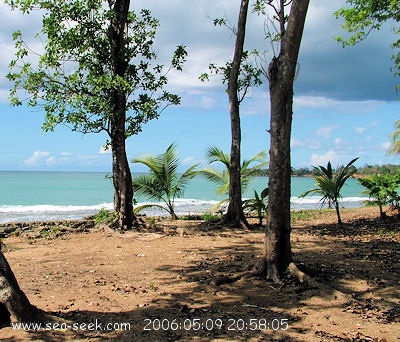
221, 177
163, 183
395, 147
329, 183
258, 204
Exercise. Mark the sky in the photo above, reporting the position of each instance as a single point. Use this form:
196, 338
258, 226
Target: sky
345, 102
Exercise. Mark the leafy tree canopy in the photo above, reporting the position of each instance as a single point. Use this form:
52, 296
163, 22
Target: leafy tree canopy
75, 80
363, 16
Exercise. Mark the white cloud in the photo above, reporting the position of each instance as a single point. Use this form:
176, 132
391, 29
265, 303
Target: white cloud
326, 131
66, 159
314, 102
297, 143
50, 161
386, 145
344, 107
189, 161
38, 158
310, 144
323, 159
338, 141
360, 130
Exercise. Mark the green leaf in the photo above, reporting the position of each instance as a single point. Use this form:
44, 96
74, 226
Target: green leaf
163, 182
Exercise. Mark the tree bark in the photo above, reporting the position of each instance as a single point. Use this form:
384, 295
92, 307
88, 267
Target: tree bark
13, 299
338, 213
122, 178
235, 215
281, 73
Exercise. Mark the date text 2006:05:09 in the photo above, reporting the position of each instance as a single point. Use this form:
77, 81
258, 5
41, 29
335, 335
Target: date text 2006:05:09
231, 324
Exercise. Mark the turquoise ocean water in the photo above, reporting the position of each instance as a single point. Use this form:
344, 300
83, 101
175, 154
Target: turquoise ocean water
30, 196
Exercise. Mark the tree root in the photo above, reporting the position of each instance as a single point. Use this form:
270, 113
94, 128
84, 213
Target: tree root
252, 271
259, 270
240, 223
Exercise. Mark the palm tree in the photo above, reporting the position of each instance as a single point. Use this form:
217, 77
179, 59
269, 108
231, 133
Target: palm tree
163, 183
395, 148
329, 183
221, 177
258, 204
378, 189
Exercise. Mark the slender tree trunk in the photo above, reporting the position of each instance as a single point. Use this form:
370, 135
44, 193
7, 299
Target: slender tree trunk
234, 215
13, 299
122, 178
338, 213
281, 73
381, 213
170, 206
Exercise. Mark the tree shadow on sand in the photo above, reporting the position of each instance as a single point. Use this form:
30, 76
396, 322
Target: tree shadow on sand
365, 251
253, 309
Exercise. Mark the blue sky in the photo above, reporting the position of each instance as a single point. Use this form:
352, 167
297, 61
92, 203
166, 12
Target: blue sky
345, 101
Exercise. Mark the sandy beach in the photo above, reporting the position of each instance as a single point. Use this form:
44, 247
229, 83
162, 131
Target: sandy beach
156, 284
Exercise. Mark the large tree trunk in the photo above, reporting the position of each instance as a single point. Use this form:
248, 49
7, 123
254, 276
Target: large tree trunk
13, 300
281, 74
122, 178
234, 215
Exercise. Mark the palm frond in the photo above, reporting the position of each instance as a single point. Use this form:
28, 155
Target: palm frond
163, 181
395, 147
222, 177
215, 154
329, 183
184, 179
218, 206
219, 177
248, 172
142, 207
147, 186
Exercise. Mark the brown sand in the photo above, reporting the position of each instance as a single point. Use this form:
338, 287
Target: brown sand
155, 285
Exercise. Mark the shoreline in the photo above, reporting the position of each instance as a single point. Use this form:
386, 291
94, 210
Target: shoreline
183, 207
85, 223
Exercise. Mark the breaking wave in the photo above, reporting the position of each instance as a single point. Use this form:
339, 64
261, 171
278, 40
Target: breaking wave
29, 213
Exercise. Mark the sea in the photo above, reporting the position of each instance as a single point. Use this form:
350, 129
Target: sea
35, 196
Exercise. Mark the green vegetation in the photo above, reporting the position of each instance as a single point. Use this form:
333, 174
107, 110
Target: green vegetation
50, 232
98, 73
105, 216
258, 204
221, 177
153, 286
329, 183
163, 182
364, 170
192, 217
299, 215
363, 16
212, 216
382, 189
377, 169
